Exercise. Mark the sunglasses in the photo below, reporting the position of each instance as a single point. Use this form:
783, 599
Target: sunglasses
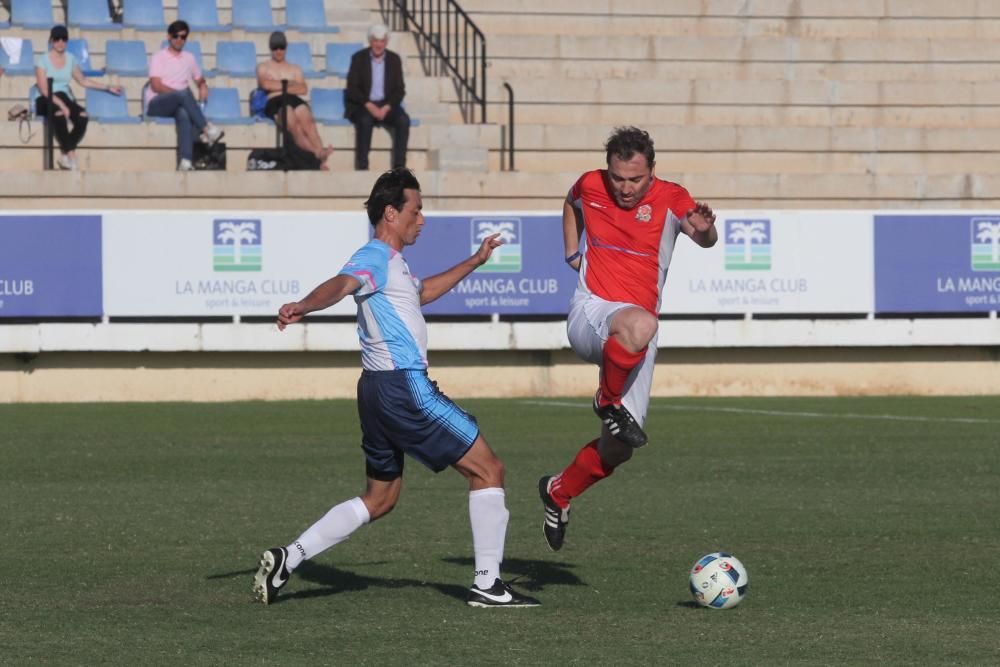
59, 39
180, 35
279, 48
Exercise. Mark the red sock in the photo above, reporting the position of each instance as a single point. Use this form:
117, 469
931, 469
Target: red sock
586, 470
618, 363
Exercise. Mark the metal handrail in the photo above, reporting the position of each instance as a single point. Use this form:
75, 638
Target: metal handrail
445, 31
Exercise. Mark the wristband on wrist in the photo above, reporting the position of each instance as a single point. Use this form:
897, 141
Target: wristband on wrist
575, 256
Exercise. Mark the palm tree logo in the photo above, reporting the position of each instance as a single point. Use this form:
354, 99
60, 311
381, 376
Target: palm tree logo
986, 244
506, 258
237, 245
748, 245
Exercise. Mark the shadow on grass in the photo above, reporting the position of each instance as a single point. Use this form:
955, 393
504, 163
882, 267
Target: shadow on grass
531, 575
336, 580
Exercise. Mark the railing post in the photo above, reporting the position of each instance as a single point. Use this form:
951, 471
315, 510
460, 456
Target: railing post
282, 132
48, 149
510, 126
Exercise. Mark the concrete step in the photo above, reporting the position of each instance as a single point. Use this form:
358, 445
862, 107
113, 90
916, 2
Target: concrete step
501, 23
563, 92
709, 115
748, 49
451, 190
850, 9
517, 70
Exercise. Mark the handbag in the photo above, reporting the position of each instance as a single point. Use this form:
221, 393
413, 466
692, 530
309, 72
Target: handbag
17, 112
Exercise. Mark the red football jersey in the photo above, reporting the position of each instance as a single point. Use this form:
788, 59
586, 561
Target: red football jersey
626, 252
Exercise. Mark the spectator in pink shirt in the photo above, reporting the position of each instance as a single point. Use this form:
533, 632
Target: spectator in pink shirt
170, 72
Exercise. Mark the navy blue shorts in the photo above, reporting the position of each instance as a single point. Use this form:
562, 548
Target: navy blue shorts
403, 411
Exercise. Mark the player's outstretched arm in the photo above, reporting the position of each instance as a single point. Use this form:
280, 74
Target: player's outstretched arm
700, 225
439, 284
324, 296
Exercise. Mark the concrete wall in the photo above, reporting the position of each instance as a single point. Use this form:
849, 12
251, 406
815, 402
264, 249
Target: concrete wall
219, 376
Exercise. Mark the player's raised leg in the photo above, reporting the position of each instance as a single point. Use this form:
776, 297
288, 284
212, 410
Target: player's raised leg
630, 332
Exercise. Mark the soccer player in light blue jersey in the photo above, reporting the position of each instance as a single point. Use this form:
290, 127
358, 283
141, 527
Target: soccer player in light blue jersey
401, 409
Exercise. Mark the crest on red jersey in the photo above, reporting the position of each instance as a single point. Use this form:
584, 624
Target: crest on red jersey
644, 213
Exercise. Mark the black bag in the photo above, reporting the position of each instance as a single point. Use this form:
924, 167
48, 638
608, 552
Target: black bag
211, 158
290, 158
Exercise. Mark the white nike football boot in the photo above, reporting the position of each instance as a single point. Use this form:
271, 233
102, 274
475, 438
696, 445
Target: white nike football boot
271, 575
499, 595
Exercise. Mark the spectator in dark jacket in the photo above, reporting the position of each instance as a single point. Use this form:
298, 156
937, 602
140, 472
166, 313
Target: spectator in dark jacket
374, 96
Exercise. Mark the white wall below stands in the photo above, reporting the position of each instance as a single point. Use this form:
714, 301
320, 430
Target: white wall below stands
221, 362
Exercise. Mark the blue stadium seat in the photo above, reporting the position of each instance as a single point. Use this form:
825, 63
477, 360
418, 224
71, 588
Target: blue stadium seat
126, 57
104, 107
236, 59
307, 16
328, 106
338, 58
31, 14
25, 64
253, 15
81, 51
224, 107
144, 15
194, 47
91, 15
298, 54
201, 15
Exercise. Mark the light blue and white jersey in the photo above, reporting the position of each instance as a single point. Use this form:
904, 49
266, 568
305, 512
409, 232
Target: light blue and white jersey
391, 325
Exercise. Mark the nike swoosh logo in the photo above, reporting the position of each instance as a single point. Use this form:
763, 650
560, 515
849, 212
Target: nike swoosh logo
506, 597
276, 579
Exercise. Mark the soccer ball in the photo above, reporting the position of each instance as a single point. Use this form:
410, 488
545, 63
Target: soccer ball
718, 581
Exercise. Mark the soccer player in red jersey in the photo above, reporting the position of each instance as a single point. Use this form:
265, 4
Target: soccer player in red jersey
620, 225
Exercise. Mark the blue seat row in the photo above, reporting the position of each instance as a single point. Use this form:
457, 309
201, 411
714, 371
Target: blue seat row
201, 15
236, 59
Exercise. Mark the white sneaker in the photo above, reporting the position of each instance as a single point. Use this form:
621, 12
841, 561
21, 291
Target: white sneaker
65, 162
185, 165
211, 134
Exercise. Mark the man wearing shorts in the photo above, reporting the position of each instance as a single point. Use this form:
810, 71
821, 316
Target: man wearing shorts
301, 123
620, 225
401, 409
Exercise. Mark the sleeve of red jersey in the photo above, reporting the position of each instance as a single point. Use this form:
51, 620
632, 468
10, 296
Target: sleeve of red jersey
681, 202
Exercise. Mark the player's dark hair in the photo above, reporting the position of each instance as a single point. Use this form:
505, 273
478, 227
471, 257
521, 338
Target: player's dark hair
625, 142
389, 191
178, 27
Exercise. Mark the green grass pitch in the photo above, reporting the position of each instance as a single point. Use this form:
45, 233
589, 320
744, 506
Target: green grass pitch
870, 528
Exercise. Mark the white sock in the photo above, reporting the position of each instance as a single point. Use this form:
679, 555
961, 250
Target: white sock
335, 527
488, 514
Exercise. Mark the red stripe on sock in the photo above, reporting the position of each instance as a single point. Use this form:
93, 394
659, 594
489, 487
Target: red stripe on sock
586, 470
618, 363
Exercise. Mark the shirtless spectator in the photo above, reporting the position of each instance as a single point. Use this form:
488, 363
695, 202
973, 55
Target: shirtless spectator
301, 123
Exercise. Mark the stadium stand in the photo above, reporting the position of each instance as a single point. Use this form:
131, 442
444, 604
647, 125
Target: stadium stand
298, 54
91, 15
224, 107
81, 49
201, 15
253, 15
31, 14
338, 58
126, 58
144, 15
307, 16
25, 64
328, 106
104, 107
236, 59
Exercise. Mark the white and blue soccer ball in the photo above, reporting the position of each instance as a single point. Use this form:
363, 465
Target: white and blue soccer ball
718, 581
